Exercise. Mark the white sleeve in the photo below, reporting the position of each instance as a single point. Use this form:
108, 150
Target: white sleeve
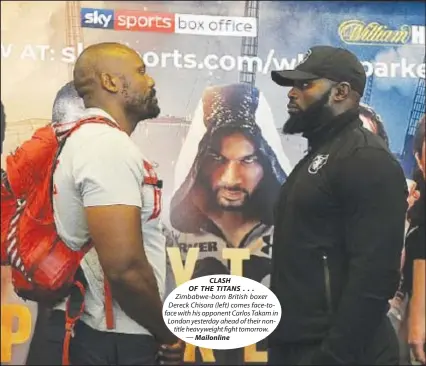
109, 172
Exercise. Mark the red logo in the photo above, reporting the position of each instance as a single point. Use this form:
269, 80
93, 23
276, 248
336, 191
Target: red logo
139, 21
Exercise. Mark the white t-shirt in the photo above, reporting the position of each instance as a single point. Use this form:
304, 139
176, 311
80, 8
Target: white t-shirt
100, 165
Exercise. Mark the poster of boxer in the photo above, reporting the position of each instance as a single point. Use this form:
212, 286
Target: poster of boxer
217, 144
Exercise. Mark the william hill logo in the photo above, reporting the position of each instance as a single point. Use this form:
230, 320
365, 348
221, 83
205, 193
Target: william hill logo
358, 32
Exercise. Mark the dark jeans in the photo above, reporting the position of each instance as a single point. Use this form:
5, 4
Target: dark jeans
383, 349
92, 347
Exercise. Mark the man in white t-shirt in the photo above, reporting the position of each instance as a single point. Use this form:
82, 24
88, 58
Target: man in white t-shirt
99, 193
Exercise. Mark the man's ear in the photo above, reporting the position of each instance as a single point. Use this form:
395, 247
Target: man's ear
109, 82
342, 91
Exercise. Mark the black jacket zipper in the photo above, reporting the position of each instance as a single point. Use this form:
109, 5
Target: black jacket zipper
327, 284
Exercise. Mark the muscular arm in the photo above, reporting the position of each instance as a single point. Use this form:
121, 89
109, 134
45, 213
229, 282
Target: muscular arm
373, 192
117, 236
110, 184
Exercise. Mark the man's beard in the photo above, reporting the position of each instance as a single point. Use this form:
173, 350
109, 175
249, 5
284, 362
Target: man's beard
309, 120
229, 205
143, 108
150, 108
152, 111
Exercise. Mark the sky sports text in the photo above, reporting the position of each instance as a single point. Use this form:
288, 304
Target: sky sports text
138, 21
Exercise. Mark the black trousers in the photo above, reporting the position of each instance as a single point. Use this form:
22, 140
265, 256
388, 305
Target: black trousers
382, 349
38, 343
92, 347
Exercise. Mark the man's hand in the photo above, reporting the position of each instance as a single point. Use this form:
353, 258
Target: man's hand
413, 194
416, 339
171, 354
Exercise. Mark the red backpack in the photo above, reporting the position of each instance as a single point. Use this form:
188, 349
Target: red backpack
43, 268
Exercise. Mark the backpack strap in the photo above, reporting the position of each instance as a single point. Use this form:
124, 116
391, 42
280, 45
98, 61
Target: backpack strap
94, 119
109, 314
74, 309
62, 136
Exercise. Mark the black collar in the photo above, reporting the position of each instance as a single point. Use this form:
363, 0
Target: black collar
332, 128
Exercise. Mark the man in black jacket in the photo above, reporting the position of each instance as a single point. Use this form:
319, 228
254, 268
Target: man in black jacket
339, 223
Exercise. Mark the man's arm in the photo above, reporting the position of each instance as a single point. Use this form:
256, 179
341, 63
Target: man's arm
117, 236
110, 181
373, 192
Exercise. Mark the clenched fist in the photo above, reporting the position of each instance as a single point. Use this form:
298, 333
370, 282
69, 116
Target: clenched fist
171, 354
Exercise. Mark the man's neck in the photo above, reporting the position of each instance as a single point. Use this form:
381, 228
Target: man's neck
330, 126
118, 115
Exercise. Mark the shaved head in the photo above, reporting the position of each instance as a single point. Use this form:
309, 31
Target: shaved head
98, 59
113, 76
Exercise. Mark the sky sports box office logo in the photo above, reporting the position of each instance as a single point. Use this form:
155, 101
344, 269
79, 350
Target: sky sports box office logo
141, 21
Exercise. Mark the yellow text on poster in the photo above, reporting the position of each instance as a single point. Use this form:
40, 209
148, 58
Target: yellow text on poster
10, 334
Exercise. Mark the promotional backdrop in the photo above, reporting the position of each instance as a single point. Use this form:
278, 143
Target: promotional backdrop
211, 61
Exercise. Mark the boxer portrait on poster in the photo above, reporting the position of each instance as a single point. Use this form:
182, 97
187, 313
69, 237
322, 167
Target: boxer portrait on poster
226, 185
